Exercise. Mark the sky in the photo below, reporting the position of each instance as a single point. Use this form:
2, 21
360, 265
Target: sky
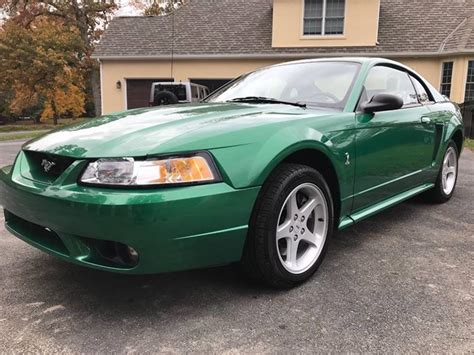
126, 9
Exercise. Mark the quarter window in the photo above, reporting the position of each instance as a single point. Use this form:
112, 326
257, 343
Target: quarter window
446, 76
423, 96
323, 17
386, 80
194, 92
469, 96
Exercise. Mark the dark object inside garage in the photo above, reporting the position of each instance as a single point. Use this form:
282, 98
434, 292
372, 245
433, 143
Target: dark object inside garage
211, 84
138, 91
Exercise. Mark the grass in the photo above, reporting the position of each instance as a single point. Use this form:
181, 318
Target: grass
30, 126
469, 143
12, 137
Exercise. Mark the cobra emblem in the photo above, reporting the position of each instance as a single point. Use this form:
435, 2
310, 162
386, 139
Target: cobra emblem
348, 159
47, 165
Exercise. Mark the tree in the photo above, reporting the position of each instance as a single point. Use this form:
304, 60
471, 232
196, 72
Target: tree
41, 66
90, 17
158, 7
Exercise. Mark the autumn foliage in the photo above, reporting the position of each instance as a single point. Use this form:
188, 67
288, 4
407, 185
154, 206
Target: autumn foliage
45, 53
41, 67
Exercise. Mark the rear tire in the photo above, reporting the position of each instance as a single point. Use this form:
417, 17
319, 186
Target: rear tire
447, 176
291, 223
165, 98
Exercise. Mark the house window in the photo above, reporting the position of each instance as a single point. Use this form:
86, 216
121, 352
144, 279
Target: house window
469, 96
324, 17
446, 76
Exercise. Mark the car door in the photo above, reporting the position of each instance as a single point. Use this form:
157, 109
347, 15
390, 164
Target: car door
393, 148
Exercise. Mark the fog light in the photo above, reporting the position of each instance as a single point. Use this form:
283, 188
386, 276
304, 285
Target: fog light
133, 254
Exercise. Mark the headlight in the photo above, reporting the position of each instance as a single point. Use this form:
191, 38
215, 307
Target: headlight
170, 171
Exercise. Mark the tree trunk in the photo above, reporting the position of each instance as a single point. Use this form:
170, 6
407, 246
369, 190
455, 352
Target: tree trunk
96, 90
93, 72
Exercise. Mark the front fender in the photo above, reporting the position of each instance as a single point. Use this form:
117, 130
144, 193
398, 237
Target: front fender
251, 164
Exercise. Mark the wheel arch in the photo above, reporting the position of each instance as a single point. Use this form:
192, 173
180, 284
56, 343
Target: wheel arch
458, 138
318, 158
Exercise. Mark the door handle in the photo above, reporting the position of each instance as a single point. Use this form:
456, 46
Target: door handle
425, 120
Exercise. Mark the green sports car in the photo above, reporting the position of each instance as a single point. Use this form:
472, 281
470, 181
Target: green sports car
262, 171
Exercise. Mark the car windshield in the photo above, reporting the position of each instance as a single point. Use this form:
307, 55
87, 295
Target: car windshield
319, 84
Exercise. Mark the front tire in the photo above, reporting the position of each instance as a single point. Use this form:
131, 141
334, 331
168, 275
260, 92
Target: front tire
447, 176
290, 226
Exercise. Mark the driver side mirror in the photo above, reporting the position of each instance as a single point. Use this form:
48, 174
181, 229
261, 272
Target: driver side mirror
382, 102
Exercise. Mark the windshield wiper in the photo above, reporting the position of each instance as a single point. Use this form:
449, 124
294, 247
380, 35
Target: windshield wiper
265, 100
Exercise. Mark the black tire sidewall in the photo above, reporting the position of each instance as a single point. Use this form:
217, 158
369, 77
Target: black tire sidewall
298, 175
163, 98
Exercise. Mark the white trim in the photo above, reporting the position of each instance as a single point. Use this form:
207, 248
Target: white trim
323, 34
441, 77
378, 24
101, 88
124, 86
290, 55
323, 19
466, 64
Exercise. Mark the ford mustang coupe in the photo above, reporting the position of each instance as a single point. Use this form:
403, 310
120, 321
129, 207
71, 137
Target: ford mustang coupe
262, 171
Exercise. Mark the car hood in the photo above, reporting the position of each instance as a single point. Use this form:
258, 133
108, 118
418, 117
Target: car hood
170, 129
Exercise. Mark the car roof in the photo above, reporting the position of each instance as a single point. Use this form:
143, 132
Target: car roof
361, 60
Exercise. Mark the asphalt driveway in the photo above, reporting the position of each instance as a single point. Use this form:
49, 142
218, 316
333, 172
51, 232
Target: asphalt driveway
400, 281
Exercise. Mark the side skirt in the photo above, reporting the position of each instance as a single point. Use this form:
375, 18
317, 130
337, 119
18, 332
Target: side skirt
380, 206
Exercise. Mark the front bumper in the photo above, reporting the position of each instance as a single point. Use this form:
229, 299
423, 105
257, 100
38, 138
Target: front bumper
171, 228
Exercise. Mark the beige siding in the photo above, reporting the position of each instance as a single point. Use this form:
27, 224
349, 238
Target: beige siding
429, 68
360, 25
115, 99
458, 87
112, 71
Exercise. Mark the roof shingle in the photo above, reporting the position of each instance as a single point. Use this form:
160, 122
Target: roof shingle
244, 27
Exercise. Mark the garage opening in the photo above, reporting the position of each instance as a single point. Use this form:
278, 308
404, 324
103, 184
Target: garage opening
212, 84
138, 91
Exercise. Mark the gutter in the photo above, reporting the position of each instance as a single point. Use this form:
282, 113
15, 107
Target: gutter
287, 55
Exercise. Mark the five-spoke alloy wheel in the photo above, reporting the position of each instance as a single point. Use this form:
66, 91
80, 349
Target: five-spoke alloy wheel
291, 223
447, 177
449, 170
302, 228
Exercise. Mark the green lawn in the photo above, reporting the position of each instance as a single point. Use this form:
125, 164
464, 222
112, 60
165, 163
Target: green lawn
13, 137
469, 143
30, 126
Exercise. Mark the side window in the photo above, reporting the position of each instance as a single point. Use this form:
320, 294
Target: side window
387, 80
423, 96
194, 92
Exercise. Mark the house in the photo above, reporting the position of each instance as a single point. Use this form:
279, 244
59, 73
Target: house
212, 41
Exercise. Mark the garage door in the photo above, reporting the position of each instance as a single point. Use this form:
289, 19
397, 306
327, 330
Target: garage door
212, 84
138, 91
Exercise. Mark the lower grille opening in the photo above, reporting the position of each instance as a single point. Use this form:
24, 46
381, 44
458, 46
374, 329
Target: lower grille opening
99, 252
113, 254
35, 233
